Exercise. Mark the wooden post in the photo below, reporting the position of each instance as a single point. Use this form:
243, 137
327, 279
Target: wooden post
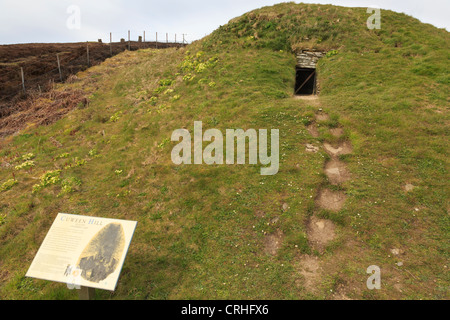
307, 79
167, 38
183, 39
110, 43
87, 50
59, 67
144, 36
86, 293
23, 80
156, 40
129, 44
315, 84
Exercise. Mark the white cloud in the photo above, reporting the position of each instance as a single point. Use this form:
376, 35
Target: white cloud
45, 20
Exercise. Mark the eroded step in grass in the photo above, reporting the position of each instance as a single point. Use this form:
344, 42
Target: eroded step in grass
337, 132
331, 200
341, 148
313, 270
320, 232
337, 172
309, 268
322, 116
313, 131
272, 242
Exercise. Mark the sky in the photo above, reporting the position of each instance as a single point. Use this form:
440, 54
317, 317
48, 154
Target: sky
42, 21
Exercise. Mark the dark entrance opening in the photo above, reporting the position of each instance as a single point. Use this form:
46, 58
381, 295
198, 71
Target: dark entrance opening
305, 81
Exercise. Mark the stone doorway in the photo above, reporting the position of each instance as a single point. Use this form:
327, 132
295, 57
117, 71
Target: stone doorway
306, 74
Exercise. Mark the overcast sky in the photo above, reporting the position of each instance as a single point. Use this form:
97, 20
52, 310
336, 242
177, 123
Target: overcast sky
24, 21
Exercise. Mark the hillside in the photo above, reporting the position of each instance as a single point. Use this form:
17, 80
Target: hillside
39, 62
226, 231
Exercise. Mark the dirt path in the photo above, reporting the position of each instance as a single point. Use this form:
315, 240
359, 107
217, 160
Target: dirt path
331, 197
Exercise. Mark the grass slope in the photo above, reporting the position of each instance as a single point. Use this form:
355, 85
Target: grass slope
205, 232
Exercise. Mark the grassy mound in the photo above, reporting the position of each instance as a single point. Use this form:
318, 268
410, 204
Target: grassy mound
209, 232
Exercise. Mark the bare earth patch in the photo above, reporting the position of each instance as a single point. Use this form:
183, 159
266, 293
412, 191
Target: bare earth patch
311, 148
272, 242
309, 268
331, 200
340, 295
322, 117
306, 97
312, 129
337, 132
340, 149
336, 172
320, 232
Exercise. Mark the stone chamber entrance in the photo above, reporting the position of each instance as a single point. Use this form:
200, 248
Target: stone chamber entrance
306, 74
305, 81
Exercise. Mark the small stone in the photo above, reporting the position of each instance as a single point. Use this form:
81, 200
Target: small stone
320, 224
399, 263
395, 252
285, 206
311, 148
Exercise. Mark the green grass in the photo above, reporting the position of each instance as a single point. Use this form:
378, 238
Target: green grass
201, 229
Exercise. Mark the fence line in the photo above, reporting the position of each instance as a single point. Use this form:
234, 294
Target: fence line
146, 36
90, 53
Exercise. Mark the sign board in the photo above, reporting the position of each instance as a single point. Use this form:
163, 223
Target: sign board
83, 251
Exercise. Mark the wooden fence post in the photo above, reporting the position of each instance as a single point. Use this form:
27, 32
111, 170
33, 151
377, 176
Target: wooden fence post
59, 67
110, 43
87, 50
156, 40
86, 293
129, 44
23, 80
167, 38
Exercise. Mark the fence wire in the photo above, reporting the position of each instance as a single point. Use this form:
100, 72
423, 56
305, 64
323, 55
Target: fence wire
98, 52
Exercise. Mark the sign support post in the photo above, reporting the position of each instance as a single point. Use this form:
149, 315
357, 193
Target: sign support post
86, 293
